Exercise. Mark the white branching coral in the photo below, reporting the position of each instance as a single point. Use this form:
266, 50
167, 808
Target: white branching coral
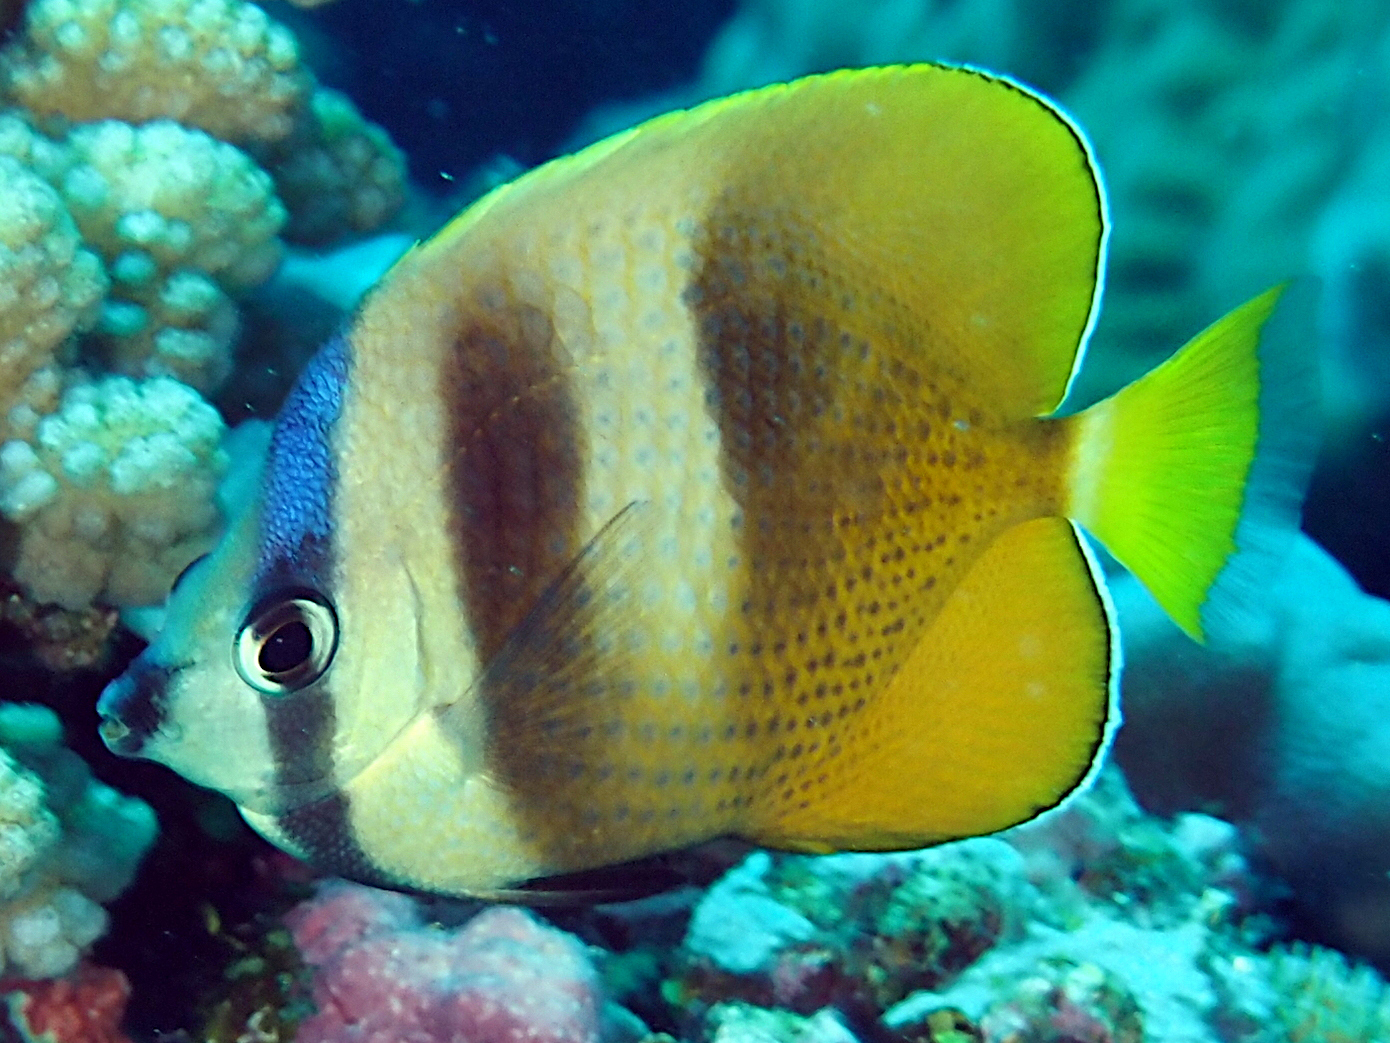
114, 493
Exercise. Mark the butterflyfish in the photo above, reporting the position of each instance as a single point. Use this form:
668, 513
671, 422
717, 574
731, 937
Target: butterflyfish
711, 482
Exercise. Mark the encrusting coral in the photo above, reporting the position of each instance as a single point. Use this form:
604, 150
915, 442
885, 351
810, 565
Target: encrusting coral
157, 150
1321, 998
1095, 924
85, 1006
381, 976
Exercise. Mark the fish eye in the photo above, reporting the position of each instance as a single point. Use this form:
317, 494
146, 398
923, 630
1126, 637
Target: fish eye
287, 642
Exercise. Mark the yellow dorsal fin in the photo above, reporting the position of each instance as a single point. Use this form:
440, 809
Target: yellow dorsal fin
953, 211
997, 714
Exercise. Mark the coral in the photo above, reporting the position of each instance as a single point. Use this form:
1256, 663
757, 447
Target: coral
1324, 999
61, 640
67, 844
862, 931
1095, 923
28, 829
1281, 724
177, 195
179, 218
221, 66
739, 927
942, 1025
140, 230
263, 994
21, 140
742, 1023
1104, 848
337, 174
85, 1007
1162, 970
1065, 1002
933, 920
50, 284
115, 491
384, 977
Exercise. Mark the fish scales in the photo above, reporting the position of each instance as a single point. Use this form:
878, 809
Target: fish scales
703, 484
766, 423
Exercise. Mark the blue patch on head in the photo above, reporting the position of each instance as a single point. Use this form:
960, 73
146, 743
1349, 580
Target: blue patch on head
301, 471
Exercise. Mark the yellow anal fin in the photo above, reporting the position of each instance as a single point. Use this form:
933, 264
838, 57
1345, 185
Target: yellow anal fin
997, 714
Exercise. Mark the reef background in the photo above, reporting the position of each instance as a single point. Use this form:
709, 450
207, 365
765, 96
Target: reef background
1243, 142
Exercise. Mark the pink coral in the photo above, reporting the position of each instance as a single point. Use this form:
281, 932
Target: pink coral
381, 976
84, 1007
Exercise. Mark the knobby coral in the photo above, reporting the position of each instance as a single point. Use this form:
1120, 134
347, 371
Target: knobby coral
383, 976
67, 844
158, 153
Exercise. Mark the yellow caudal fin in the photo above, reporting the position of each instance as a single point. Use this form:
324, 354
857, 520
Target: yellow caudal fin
1204, 456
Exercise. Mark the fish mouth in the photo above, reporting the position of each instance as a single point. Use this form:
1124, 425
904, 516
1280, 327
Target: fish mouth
132, 707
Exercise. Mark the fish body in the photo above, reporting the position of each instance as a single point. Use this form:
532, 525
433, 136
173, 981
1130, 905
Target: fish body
707, 483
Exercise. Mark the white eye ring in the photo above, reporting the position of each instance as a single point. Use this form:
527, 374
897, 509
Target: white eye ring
287, 642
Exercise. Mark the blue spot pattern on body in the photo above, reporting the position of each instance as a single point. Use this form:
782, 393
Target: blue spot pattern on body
301, 471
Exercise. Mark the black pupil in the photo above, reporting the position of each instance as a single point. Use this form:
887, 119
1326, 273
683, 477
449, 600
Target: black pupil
286, 649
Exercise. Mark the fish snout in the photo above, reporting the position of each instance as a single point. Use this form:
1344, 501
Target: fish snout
132, 707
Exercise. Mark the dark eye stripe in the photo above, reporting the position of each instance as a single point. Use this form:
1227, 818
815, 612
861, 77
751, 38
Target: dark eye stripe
296, 550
